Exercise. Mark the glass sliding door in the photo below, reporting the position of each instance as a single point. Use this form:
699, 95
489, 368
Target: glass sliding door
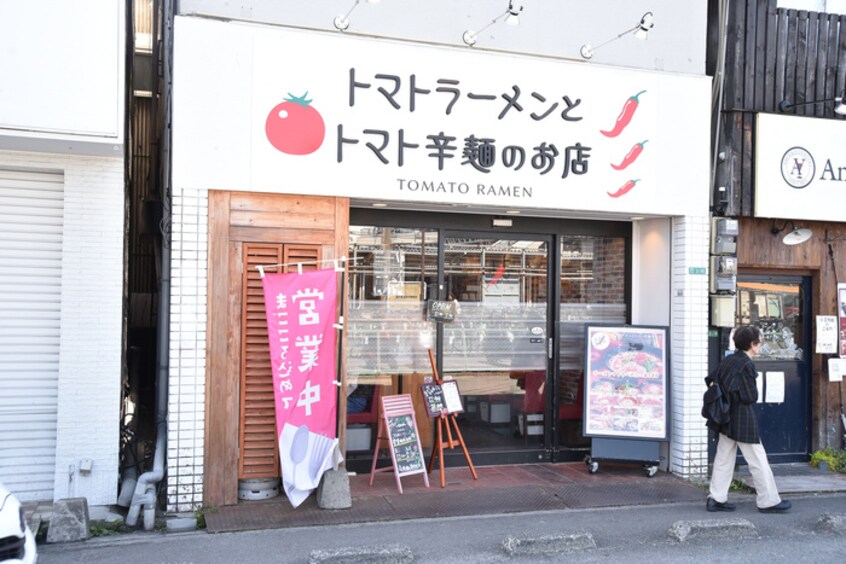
593, 281
392, 272
516, 344
497, 346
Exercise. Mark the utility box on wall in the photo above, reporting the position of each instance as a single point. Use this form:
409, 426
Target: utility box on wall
722, 310
724, 233
723, 274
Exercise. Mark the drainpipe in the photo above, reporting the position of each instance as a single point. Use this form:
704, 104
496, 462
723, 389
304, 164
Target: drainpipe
145, 488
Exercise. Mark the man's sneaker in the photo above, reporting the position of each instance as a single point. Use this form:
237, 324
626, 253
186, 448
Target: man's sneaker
713, 505
782, 507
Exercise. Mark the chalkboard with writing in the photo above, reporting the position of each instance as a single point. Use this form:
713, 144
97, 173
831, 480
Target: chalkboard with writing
441, 311
433, 397
442, 399
408, 456
398, 426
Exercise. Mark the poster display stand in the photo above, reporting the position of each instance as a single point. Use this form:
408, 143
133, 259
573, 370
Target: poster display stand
398, 427
627, 390
443, 401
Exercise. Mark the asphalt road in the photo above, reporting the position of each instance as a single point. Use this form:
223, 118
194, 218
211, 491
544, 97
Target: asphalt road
621, 534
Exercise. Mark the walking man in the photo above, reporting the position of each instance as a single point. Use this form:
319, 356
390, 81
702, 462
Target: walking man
736, 374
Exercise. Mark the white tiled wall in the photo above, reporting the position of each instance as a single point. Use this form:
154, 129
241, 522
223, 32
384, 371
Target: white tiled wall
88, 403
689, 346
186, 407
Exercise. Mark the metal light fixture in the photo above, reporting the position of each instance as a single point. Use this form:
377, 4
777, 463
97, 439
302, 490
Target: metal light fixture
795, 236
641, 31
511, 15
342, 22
839, 105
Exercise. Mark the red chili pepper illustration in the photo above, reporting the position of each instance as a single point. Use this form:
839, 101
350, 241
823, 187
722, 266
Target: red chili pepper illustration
631, 157
500, 270
625, 116
624, 188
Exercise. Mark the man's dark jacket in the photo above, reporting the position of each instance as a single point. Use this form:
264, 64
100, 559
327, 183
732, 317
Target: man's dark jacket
737, 374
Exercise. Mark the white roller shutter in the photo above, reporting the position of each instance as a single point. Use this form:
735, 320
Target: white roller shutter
30, 304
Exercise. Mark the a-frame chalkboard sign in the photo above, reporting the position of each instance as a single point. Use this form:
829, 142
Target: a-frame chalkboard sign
398, 427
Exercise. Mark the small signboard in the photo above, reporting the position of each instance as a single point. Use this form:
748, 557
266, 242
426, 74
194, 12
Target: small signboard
841, 313
626, 382
400, 428
442, 399
433, 397
441, 310
407, 454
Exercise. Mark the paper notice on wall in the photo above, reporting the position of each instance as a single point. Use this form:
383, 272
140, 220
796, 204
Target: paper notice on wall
759, 381
826, 334
775, 387
836, 369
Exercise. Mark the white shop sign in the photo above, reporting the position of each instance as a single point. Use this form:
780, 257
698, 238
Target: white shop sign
800, 168
429, 124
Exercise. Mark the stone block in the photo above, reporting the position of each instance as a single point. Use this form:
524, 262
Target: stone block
334, 490
69, 521
727, 529
564, 543
181, 524
391, 554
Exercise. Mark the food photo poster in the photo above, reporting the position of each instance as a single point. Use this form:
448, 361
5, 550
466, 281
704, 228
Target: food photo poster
626, 382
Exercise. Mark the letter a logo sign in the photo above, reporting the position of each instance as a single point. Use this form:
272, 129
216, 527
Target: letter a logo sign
797, 167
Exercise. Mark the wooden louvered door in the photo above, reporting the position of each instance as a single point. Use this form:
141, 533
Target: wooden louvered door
259, 451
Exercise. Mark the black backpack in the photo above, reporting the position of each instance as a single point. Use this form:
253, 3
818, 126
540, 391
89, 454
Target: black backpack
716, 408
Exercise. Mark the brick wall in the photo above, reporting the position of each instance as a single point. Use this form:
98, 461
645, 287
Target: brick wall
186, 407
607, 284
689, 346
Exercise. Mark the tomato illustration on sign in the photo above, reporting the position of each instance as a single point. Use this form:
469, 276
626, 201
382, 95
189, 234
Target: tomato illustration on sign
294, 127
631, 157
626, 115
624, 188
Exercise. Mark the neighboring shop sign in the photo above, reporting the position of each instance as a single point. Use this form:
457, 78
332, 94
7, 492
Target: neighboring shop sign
627, 388
841, 313
800, 168
392, 120
300, 325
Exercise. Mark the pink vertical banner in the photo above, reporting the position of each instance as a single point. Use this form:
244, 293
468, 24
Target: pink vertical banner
301, 317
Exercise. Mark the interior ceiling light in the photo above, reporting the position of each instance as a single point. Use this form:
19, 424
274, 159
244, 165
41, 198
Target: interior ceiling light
795, 236
342, 22
641, 31
511, 15
839, 106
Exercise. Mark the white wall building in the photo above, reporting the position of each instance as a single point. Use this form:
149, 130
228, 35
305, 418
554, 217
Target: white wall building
61, 246
245, 53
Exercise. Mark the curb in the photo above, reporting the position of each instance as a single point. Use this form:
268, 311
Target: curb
737, 528
363, 555
564, 543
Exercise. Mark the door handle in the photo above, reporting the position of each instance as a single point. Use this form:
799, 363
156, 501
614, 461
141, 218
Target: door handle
549, 348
